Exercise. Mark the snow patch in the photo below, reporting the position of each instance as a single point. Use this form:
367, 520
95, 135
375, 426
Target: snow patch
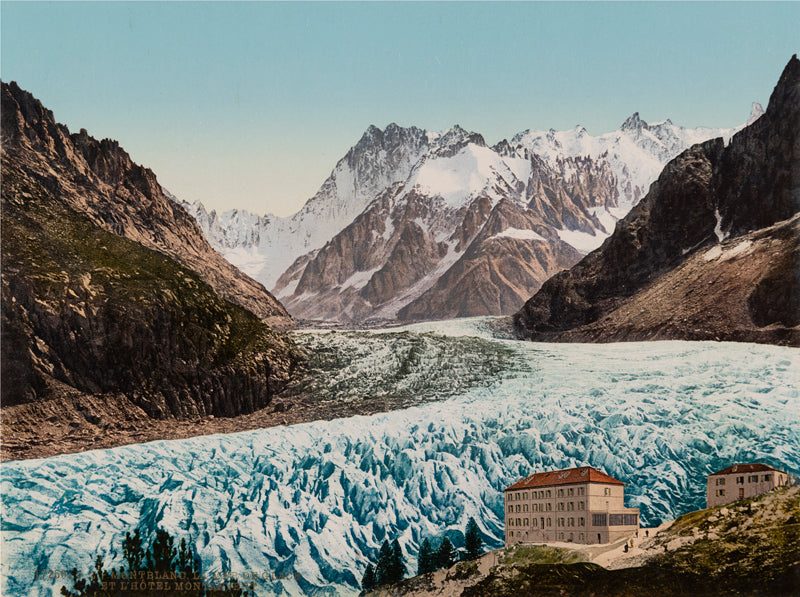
519, 234
359, 279
721, 236
582, 241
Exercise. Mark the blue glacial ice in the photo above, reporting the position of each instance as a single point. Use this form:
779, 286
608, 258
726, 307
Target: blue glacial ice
318, 499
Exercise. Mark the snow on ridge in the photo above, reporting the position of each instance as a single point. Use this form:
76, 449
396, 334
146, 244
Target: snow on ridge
582, 241
519, 234
359, 279
458, 178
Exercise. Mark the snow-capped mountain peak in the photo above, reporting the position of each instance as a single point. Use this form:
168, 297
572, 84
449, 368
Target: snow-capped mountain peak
404, 192
756, 112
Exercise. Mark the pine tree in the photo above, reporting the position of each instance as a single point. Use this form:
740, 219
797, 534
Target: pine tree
425, 558
368, 582
472, 540
383, 572
161, 560
446, 556
397, 568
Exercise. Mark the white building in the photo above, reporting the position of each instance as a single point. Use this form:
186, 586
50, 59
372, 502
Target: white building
742, 481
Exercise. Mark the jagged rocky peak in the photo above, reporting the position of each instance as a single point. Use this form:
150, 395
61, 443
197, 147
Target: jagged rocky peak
709, 253
756, 112
633, 123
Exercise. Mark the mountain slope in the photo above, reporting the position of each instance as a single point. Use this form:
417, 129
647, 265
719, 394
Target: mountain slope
448, 241
746, 193
737, 549
265, 246
99, 180
101, 331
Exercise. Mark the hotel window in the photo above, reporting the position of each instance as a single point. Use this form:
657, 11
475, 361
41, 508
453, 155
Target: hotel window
549, 522
572, 505
580, 490
580, 505
525, 496
740, 480
607, 491
560, 506
549, 493
580, 537
549, 507
581, 521
572, 522
511, 534
752, 479
519, 522
525, 522
510, 508
721, 492
560, 493
525, 507
599, 520
767, 477
570, 491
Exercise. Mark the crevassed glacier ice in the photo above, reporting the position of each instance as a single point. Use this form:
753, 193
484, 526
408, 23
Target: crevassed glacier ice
319, 498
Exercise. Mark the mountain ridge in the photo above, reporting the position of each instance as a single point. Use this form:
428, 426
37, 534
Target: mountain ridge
455, 166
712, 199
115, 310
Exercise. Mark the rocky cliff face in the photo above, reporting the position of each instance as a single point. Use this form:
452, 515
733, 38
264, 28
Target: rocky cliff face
105, 323
470, 232
277, 250
710, 253
99, 180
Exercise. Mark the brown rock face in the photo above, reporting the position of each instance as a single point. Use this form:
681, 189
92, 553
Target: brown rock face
740, 200
105, 323
412, 256
98, 179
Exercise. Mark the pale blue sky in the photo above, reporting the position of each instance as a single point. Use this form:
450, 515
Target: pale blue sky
251, 104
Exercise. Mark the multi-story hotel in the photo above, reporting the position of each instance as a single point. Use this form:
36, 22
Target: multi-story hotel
742, 481
580, 505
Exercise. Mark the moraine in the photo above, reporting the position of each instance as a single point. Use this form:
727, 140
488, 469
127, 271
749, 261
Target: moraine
319, 498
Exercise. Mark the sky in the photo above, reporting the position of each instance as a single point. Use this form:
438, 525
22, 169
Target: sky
250, 105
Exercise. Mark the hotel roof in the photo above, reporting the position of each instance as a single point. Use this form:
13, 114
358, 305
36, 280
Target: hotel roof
584, 474
754, 467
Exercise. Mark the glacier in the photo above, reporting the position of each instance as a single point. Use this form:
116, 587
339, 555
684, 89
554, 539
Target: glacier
318, 499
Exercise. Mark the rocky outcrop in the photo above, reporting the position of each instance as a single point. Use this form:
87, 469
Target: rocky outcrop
99, 180
452, 242
276, 250
710, 253
105, 323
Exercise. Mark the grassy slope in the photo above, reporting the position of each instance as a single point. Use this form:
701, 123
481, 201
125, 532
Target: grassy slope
751, 547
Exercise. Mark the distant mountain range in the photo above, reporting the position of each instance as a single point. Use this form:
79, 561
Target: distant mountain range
419, 225
711, 253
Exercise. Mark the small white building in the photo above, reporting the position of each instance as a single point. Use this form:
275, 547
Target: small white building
741, 481
578, 505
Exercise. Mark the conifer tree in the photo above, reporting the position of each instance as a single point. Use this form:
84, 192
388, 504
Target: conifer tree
368, 582
446, 556
425, 558
472, 540
397, 568
383, 572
